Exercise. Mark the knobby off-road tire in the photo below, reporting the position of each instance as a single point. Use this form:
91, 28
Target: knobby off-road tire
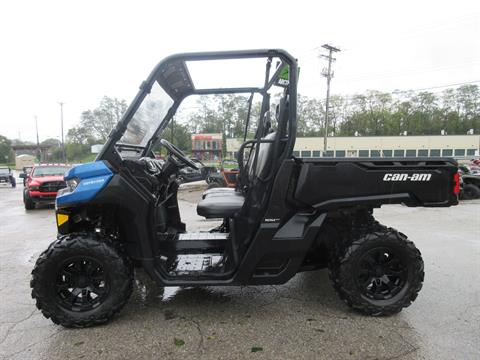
81, 280
362, 278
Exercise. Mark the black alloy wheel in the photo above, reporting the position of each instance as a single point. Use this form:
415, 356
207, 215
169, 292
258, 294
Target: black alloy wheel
81, 284
377, 272
381, 273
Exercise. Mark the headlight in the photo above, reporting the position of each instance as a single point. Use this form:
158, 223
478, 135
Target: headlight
34, 188
72, 184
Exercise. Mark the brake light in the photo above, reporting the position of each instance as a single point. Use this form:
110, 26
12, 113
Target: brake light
456, 183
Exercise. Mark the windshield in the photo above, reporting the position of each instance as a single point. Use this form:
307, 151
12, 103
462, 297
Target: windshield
4, 171
50, 171
148, 117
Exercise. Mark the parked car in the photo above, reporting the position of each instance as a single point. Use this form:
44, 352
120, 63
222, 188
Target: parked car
26, 170
6, 177
43, 183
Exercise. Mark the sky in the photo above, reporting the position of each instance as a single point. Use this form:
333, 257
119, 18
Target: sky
77, 52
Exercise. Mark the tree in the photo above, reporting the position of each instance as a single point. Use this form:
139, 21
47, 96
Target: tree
5, 149
51, 142
97, 123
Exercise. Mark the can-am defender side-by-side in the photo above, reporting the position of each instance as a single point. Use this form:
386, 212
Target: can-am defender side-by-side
286, 214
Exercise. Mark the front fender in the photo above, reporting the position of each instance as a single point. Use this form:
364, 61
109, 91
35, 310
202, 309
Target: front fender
92, 178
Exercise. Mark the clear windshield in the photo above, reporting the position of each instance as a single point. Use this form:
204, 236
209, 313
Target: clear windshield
4, 172
148, 117
50, 171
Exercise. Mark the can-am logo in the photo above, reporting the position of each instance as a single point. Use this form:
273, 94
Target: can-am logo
407, 177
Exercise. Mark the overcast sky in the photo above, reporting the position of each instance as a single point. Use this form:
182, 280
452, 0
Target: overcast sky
77, 52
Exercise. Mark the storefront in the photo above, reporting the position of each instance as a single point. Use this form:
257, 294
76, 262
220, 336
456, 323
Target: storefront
207, 147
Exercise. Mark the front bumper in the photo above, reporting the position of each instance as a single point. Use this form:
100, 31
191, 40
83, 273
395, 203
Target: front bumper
42, 197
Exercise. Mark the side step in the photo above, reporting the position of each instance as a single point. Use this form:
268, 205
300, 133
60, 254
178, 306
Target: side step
195, 265
201, 242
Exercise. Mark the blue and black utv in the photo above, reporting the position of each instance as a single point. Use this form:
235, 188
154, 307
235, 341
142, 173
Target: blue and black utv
286, 214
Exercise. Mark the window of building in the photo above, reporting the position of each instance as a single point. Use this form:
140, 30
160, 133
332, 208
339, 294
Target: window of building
296, 153
352, 153
214, 145
411, 153
329, 153
459, 152
422, 152
306, 154
340, 153
387, 153
434, 152
363, 153
399, 153
316, 153
447, 152
470, 152
374, 153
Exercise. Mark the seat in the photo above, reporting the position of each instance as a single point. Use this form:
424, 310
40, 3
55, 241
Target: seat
217, 191
220, 205
226, 202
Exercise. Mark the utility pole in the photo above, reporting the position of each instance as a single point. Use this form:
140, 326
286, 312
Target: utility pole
39, 154
329, 75
63, 143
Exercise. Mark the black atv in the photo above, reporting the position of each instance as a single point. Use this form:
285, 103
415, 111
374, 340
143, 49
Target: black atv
286, 214
6, 177
469, 184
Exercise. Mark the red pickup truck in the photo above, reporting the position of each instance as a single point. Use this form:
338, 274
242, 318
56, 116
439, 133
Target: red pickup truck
43, 183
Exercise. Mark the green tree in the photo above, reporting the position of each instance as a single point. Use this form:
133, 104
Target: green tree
5, 149
97, 123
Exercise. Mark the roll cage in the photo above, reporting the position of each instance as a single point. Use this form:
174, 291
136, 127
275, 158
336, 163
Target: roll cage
173, 75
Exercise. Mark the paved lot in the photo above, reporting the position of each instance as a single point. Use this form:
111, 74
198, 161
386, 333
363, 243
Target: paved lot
300, 320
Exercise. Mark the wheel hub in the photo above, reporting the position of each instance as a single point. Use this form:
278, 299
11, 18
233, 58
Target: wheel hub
81, 284
381, 273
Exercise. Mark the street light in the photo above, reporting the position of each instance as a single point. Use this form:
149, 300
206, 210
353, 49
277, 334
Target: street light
63, 143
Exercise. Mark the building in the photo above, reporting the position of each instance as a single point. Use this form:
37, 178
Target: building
24, 160
41, 152
458, 146
207, 147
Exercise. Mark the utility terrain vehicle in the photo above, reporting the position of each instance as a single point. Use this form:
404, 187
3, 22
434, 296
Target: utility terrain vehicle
286, 214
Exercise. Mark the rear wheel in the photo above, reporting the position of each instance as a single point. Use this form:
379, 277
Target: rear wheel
470, 192
379, 273
81, 280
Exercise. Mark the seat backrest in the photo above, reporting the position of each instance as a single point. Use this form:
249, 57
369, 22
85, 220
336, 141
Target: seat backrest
264, 150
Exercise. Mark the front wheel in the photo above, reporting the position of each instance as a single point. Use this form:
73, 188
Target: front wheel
27, 201
379, 273
81, 280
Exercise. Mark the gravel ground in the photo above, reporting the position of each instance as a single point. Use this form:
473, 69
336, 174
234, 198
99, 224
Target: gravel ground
302, 319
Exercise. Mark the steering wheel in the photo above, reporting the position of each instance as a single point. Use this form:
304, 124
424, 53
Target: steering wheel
178, 154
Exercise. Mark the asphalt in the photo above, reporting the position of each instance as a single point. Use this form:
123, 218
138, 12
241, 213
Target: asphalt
302, 319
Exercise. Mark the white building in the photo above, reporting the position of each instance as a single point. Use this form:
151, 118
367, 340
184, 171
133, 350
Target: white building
458, 146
